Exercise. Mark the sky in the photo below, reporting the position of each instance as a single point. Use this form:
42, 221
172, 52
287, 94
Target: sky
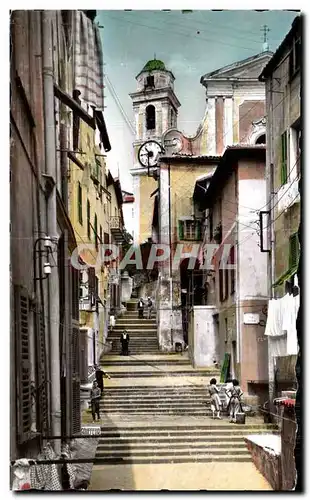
190, 45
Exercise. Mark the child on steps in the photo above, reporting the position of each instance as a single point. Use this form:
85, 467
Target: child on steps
215, 399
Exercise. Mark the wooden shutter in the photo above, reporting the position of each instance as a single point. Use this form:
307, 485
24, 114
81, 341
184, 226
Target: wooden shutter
284, 158
80, 204
23, 368
198, 230
41, 364
181, 230
293, 251
221, 288
91, 285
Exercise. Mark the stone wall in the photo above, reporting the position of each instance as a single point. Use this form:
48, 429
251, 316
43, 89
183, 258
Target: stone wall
202, 340
268, 464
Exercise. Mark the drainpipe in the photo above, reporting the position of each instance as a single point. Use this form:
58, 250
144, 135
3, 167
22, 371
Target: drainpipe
270, 204
53, 283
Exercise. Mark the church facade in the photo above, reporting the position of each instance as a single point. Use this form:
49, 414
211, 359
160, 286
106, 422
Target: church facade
164, 210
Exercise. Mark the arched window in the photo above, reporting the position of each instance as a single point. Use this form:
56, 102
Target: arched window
261, 139
150, 117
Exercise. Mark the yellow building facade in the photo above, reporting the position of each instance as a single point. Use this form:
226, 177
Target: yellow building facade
90, 210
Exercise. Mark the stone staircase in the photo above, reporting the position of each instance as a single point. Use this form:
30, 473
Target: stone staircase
176, 443
156, 407
142, 333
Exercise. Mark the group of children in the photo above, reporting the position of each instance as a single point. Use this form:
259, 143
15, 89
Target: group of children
233, 394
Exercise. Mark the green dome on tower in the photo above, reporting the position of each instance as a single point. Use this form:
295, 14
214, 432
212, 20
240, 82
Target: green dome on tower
154, 64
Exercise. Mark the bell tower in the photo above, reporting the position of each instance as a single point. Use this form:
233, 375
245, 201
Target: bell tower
155, 104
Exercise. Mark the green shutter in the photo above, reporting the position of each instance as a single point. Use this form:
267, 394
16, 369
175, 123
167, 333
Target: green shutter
88, 219
181, 230
284, 158
80, 211
293, 250
95, 231
198, 230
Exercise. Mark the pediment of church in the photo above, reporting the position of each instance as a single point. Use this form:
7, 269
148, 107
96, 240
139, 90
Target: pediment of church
247, 68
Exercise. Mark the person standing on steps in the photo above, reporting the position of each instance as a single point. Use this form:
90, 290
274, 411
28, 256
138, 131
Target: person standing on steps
99, 377
140, 308
215, 399
125, 343
149, 307
235, 400
95, 395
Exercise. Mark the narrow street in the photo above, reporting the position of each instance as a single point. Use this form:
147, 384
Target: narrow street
157, 430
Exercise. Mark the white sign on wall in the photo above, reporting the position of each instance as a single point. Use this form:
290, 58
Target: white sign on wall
250, 319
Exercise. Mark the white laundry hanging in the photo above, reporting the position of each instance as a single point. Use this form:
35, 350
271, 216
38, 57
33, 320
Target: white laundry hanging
289, 322
274, 318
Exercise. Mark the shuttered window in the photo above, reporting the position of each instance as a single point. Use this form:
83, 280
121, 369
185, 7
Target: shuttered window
293, 251
284, 158
23, 368
88, 220
96, 231
80, 204
221, 284
41, 365
232, 271
190, 230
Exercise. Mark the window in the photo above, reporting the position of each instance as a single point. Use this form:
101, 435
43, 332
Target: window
172, 118
81, 294
232, 271
221, 284
226, 289
88, 220
284, 158
211, 223
261, 139
150, 117
23, 364
96, 231
295, 57
80, 204
149, 81
295, 149
189, 229
293, 251
101, 235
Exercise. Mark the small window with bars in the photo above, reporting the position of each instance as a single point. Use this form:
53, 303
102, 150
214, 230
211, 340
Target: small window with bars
190, 229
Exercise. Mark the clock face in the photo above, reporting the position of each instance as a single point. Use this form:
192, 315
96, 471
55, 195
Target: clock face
148, 153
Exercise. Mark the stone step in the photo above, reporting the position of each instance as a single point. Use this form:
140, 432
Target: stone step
135, 321
139, 362
151, 452
221, 431
158, 373
172, 460
133, 329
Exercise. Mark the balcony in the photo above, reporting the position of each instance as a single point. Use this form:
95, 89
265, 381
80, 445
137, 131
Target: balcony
117, 229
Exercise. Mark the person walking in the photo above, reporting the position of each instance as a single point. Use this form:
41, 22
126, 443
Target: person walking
149, 307
99, 377
95, 395
215, 399
235, 400
125, 343
141, 308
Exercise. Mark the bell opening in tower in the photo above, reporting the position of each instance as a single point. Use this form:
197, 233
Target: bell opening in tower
150, 117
